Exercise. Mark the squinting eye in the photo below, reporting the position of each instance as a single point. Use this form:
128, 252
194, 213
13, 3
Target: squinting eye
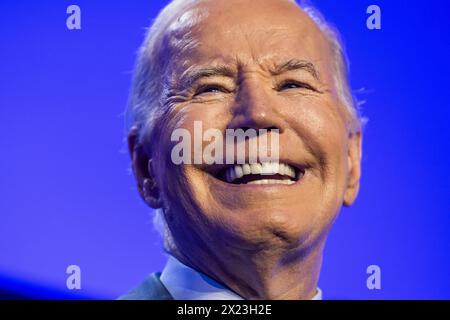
293, 85
290, 86
209, 89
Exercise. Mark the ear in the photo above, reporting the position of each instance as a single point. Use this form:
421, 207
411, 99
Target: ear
143, 171
354, 167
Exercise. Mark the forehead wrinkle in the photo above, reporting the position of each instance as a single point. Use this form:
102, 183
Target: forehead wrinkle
271, 60
184, 35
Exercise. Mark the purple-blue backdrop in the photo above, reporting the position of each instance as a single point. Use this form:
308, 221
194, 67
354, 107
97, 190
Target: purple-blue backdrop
67, 197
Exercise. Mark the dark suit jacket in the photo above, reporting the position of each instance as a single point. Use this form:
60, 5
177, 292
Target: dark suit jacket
150, 289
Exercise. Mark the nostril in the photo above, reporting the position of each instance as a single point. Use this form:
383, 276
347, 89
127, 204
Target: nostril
244, 128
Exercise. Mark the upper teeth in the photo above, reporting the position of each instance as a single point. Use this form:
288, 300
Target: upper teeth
266, 168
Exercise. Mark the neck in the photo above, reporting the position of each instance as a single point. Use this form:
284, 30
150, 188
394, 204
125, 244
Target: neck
264, 274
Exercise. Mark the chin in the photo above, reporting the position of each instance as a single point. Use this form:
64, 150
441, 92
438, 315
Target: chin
268, 229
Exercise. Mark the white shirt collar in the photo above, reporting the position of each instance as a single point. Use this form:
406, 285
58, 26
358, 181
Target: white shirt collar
185, 283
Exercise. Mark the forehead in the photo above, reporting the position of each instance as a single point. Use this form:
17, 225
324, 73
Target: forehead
264, 32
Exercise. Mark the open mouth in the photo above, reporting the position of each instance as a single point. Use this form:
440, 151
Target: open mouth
261, 173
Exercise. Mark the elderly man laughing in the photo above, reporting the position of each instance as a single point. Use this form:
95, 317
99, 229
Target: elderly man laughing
234, 231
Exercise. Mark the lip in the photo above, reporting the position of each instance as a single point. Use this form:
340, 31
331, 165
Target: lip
212, 172
241, 187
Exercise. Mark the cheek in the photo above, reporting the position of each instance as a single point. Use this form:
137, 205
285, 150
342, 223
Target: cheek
183, 184
320, 124
197, 119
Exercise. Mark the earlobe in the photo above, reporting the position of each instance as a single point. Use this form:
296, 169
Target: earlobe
150, 193
142, 169
354, 168
150, 190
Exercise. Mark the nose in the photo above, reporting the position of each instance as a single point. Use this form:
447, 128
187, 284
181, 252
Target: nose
256, 108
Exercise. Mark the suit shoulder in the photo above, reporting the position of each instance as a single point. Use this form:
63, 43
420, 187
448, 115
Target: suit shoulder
150, 289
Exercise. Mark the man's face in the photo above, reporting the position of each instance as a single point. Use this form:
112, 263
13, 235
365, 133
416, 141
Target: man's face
273, 69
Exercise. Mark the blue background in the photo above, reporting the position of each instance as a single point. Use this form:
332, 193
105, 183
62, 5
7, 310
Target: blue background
67, 196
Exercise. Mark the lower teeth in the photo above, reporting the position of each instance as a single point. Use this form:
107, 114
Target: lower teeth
271, 181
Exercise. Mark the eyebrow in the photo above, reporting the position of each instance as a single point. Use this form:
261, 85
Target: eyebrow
192, 75
295, 64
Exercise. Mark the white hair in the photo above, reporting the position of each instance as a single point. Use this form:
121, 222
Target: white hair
145, 101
